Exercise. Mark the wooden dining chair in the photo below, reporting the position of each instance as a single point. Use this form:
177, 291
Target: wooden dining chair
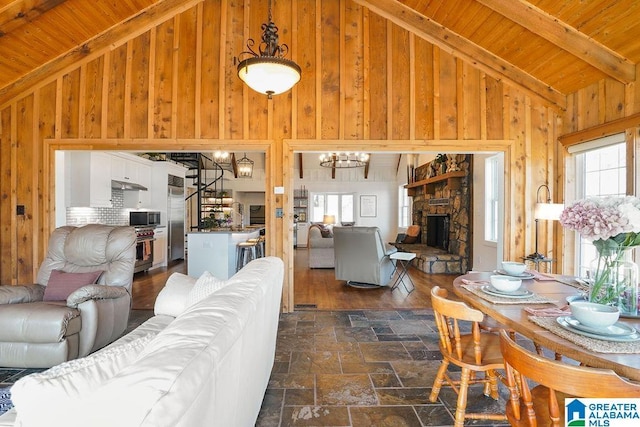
555, 381
474, 353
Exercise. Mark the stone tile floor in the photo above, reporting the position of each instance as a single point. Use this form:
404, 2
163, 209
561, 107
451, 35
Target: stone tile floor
361, 368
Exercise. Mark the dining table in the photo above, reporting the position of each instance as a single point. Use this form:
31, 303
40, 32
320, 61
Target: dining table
552, 292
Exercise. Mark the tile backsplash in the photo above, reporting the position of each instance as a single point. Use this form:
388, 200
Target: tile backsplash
115, 215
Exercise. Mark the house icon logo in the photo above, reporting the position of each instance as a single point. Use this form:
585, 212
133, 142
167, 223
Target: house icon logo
575, 413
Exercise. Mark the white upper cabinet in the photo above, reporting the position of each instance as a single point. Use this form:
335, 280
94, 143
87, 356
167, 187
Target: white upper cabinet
90, 179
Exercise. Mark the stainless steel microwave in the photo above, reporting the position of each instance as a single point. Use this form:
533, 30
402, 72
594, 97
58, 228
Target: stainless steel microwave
139, 218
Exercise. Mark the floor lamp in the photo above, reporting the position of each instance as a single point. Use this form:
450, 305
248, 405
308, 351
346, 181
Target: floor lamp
545, 211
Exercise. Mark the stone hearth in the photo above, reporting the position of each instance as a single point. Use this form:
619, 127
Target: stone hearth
433, 260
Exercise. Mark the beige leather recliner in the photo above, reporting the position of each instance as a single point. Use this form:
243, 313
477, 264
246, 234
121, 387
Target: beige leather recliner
362, 258
40, 334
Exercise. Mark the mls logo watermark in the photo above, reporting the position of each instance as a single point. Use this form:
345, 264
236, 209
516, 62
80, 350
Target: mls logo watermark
602, 412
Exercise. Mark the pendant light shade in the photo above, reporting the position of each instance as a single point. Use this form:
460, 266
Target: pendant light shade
269, 75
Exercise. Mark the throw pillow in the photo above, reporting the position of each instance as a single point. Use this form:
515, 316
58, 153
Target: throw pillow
62, 284
172, 299
206, 284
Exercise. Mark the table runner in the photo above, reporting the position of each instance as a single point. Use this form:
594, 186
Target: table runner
594, 344
474, 288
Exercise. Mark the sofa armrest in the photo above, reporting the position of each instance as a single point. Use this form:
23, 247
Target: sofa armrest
90, 292
21, 294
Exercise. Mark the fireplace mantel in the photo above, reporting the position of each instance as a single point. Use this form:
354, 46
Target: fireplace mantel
453, 181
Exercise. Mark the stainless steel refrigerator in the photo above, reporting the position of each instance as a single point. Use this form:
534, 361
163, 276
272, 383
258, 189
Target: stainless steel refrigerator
175, 218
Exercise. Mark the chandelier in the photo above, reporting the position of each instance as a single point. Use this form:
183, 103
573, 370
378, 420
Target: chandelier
222, 158
344, 160
267, 71
245, 167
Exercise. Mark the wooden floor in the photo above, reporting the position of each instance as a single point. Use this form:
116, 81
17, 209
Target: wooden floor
315, 289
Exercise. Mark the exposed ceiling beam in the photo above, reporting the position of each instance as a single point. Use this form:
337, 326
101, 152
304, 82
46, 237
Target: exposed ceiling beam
234, 165
366, 166
462, 48
115, 36
565, 37
300, 162
19, 12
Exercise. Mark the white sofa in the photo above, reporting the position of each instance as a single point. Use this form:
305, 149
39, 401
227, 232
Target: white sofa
205, 364
320, 248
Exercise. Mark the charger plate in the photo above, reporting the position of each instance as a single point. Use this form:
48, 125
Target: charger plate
523, 276
566, 324
617, 329
598, 345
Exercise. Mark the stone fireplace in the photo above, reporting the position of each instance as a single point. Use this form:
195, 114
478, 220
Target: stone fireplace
441, 207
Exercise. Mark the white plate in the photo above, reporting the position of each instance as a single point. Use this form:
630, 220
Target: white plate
562, 321
520, 293
523, 276
617, 329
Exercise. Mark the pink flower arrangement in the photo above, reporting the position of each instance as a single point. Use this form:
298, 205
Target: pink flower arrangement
604, 218
613, 225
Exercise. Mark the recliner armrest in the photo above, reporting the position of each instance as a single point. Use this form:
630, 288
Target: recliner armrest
390, 250
21, 294
90, 292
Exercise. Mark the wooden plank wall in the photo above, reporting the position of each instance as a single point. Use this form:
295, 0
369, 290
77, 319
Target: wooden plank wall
364, 80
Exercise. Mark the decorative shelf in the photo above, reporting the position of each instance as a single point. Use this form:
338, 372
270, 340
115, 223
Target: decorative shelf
453, 181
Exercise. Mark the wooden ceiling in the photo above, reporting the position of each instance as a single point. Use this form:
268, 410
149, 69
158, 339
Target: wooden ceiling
551, 47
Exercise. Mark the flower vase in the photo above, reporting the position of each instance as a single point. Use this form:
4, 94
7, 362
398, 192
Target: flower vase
614, 278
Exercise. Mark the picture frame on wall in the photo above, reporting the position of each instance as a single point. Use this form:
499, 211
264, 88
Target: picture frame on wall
368, 206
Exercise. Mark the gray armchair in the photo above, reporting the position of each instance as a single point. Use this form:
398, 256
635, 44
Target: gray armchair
40, 329
361, 256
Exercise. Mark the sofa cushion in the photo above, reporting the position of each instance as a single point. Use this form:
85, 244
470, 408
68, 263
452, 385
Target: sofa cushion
56, 390
206, 284
172, 299
62, 284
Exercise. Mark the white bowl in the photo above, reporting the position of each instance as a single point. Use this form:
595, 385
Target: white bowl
593, 314
505, 283
513, 268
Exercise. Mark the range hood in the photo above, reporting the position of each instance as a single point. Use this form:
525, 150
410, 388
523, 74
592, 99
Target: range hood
127, 186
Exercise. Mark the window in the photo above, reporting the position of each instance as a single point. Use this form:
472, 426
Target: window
491, 202
340, 205
404, 207
600, 171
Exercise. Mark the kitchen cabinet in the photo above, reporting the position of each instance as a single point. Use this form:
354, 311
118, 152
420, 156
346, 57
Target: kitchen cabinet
124, 168
89, 175
160, 247
136, 199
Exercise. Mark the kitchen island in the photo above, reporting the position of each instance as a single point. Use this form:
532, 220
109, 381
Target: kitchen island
215, 250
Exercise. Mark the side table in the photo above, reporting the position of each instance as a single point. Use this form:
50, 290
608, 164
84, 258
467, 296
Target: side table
404, 259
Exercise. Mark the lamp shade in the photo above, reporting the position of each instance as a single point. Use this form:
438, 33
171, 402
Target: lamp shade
269, 75
548, 211
329, 219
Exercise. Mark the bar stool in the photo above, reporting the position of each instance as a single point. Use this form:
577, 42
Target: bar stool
260, 245
245, 252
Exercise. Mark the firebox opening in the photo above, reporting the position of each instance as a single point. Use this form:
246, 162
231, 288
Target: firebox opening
438, 231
